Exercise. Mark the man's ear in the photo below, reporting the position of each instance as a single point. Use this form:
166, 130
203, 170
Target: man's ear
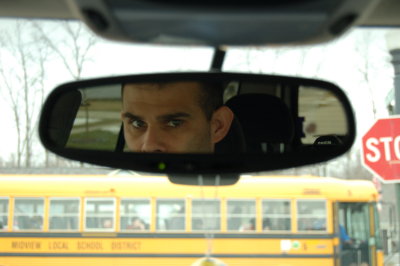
221, 121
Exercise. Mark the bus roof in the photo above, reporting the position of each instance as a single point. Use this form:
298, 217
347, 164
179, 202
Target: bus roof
157, 186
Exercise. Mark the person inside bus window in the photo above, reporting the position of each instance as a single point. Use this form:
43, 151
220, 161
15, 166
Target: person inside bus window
347, 254
107, 223
266, 224
36, 222
319, 224
249, 226
174, 117
345, 240
136, 224
346, 244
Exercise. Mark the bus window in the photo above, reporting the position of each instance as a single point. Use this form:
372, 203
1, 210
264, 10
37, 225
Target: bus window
357, 220
135, 214
99, 214
206, 214
378, 236
354, 218
276, 215
64, 214
3, 214
311, 215
171, 214
241, 215
28, 214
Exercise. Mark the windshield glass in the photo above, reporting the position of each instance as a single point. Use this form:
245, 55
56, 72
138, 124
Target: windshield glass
36, 56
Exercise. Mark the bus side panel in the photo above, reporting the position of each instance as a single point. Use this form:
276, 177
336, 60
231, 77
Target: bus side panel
163, 251
67, 261
141, 246
379, 258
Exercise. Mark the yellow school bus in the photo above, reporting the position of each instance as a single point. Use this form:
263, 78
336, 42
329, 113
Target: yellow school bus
129, 220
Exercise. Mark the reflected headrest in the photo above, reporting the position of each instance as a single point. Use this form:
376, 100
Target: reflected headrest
264, 118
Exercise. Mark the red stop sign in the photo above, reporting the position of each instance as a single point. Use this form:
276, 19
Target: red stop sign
381, 149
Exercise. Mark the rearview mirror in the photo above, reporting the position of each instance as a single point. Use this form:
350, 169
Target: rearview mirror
198, 123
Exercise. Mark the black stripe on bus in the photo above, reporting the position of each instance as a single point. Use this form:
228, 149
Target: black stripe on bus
155, 255
165, 235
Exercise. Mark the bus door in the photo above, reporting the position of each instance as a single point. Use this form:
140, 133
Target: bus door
355, 231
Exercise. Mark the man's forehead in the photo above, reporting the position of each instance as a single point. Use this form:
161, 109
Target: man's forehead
176, 93
155, 98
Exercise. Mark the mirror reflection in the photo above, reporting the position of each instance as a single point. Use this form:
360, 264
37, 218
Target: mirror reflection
199, 117
174, 117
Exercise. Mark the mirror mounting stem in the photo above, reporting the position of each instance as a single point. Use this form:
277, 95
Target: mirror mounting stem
218, 59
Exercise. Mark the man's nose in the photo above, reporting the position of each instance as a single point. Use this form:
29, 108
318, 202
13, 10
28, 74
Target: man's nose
153, 141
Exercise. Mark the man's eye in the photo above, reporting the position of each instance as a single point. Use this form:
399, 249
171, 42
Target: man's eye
174, 123
137, 123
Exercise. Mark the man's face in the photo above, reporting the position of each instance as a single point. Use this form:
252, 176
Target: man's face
166, 118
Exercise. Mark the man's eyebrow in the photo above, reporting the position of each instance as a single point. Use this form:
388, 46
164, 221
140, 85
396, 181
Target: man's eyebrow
173, 116
131, 116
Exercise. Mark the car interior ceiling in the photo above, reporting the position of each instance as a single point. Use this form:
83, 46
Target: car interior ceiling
385, 13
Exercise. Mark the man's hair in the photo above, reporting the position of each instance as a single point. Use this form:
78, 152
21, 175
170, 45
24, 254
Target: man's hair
210, 98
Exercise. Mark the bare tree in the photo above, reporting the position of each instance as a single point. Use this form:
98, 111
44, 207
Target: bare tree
363, 47
367, 52
43, 54
12, 97
370, 54
23, 81
72, 44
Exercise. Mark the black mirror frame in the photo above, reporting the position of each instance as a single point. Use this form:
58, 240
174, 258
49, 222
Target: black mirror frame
196, 163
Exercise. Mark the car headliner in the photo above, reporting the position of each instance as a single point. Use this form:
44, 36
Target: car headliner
385, 14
